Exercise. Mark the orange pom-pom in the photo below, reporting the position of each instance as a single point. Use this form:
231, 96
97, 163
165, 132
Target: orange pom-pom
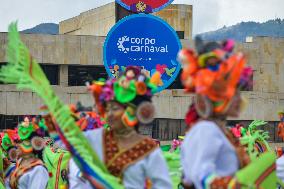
141, 88
72, 108
156, 79
97, 89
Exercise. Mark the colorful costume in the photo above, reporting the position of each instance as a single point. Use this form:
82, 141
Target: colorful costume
55, 156
281, 130
56, 160
280, 161
280, 127
280, 168
30, 171
2, 180
237, 130
32, 174
9, 154
137, 164
211, 157
7, 173
253, 138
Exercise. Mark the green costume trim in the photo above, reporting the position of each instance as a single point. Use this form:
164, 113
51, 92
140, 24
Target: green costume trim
42, 125
174, 165
260, 172
25, 132
124, 95
6, 142
57, 164
26, 145
253, 134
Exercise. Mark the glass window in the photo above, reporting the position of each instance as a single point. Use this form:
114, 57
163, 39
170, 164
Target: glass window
51, 72
180, 34
177, 83
79, 75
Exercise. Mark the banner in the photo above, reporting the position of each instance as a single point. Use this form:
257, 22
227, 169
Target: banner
146, 6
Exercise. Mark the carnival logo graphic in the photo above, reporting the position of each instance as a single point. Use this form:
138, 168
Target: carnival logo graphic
136, 44
120, 43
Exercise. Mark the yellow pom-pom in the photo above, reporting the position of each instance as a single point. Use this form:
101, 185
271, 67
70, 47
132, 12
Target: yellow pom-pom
63, 186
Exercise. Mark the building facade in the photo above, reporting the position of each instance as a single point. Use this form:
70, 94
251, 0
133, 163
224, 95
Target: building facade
99, 21
71, 60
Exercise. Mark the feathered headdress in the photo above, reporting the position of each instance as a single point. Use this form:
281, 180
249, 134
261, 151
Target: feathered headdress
214, 72
133, 89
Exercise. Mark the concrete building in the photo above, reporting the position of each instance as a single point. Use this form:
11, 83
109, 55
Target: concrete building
69, 60
99, 21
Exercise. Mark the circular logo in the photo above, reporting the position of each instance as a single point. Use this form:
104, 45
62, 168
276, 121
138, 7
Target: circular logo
146, 41
146, 6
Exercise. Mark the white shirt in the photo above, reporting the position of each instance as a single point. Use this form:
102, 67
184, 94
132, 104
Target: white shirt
206, 150
36, 178
280, 168
153, 166
7, 179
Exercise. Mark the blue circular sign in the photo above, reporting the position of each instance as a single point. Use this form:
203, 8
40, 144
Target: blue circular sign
146, 41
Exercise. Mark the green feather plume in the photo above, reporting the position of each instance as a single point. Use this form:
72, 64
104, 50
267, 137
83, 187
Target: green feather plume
255, 135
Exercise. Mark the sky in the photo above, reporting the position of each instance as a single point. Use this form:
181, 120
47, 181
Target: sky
208, 15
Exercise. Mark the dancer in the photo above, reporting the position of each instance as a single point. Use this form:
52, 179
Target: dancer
134, 158
30, 171
210, 154
55, 157
9, 154
280, 130
134, 155
280, 161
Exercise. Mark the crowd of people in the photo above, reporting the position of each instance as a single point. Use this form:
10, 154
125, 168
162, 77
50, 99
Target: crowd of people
100, 147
